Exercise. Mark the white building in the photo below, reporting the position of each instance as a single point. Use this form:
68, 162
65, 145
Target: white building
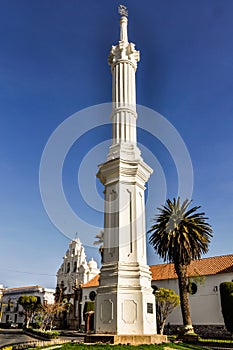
1, 291
73, 272
11, 311
1, 295
88, 294
205, 275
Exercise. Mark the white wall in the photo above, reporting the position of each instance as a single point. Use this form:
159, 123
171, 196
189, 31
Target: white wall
43, 293
205, 305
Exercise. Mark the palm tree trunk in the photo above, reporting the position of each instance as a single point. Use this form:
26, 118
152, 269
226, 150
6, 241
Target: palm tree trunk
184, 301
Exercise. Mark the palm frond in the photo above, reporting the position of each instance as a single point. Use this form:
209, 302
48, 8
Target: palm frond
180, 234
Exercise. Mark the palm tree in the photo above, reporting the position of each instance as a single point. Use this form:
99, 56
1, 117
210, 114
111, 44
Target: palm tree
100, 242
180, 235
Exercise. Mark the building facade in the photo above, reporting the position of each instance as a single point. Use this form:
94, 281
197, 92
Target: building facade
11, 311
1, 304
205, 277
74, 271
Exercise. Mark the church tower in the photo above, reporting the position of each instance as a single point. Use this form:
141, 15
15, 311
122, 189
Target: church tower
125, 304
73, 272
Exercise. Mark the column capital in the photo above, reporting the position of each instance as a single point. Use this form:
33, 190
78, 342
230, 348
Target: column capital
124, 51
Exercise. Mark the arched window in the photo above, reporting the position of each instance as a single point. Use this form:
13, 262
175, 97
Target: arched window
92, 295
192, 288
68, 267
75, 266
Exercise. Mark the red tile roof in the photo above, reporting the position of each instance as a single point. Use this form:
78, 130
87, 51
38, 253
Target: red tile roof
202, 267
22, 288
94, 282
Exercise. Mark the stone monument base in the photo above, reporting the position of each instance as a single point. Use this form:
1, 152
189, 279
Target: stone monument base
126, 339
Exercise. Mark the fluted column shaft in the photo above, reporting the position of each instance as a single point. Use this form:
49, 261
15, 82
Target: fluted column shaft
123, 60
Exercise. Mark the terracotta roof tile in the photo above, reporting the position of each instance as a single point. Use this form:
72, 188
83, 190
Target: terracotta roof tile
202, 267
22, 288
94, 282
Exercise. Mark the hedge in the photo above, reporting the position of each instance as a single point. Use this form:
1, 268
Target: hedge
226, 293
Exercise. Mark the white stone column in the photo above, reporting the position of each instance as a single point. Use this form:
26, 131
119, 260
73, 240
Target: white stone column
123, 60
124, 303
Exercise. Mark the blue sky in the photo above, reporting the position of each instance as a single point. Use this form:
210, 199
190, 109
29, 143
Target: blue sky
53, 63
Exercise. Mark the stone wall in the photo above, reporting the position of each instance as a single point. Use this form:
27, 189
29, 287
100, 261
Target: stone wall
212, 331
204, 331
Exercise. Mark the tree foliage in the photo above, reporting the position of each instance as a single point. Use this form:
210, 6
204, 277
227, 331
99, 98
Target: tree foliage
30, 304
226, 293
89, 306
166, 301
180, 235
46, 314
100, 238
100, 242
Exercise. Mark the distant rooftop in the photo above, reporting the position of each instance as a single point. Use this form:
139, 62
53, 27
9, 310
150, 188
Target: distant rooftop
26, 288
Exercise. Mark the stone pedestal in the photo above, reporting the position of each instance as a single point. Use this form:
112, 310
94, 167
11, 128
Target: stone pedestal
125, 303
126, 339
126, 306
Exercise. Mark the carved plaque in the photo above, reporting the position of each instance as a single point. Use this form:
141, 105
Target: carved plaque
149, 308
106, 311
129, 311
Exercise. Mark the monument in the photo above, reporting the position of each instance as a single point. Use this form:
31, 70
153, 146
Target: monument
125, 305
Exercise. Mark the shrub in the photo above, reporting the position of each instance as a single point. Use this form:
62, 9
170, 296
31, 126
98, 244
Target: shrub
226, 293
89, 306
44, 334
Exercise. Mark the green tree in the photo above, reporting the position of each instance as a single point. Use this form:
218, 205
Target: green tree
100, 242
30, 304
166, 301
226, 293
46, 313
180, 235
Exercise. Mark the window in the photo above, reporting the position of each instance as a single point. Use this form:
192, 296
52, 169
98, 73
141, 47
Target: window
75, 266
192, 288
8, 307
16, 307
92, 295
68, 267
